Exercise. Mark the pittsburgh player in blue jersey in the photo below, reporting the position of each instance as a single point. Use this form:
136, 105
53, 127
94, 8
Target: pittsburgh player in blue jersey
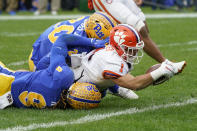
96, 26
40, 89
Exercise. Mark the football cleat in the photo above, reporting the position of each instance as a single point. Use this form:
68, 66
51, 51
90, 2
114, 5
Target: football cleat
178, 66
83, 96
123, 92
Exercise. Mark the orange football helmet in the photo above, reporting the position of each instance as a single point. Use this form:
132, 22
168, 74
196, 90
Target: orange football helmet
127, 43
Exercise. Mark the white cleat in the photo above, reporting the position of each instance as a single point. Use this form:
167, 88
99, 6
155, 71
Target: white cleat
178, 66
125, 93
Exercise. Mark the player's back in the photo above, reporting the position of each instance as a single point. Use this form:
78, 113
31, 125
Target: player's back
43, 44
99, 66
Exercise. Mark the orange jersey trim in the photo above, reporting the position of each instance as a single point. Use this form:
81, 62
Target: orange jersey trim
121, 69
106, 10
97, 5
110, 75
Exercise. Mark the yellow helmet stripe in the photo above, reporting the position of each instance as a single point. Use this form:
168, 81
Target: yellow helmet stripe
83, 100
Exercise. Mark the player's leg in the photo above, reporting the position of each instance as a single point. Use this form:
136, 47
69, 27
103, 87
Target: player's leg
121, 12
122, 92
115, 9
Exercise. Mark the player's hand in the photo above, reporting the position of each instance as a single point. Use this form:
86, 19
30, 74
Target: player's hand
178, 66
163, 73
100, 43
167, 70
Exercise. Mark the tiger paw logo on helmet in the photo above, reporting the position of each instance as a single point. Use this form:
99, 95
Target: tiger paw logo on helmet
119, 37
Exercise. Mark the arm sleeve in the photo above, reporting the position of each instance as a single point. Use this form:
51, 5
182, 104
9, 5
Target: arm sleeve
60, 48
75, 40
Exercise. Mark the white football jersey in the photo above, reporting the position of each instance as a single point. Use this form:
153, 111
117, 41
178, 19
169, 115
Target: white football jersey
123, 11
99, 66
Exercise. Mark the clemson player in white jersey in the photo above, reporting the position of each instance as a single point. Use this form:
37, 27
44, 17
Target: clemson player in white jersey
111, 65
128, 12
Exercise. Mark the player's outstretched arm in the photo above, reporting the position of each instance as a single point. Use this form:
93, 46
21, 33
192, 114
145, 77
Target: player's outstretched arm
75, 40
143, 81
134, 83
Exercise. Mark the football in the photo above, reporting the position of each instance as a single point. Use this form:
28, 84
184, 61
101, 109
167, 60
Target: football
159, 80
152, 68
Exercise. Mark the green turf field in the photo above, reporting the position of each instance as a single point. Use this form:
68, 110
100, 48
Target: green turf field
159, 108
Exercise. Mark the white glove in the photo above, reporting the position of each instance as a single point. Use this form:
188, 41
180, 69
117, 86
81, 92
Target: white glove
178, 66
165, 70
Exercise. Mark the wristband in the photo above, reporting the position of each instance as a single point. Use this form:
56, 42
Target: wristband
156, 74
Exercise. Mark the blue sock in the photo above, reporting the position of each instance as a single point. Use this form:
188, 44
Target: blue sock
114, 89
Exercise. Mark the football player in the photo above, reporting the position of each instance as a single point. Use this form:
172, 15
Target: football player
127, 12
96, 26
40, 89
111, 65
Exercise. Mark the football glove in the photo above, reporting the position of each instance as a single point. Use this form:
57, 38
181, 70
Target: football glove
163, 73
178, 66
99, 43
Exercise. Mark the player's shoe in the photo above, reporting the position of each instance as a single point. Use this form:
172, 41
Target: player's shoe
178, 66
122, 92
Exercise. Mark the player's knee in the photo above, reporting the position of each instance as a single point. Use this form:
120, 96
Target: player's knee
135, 22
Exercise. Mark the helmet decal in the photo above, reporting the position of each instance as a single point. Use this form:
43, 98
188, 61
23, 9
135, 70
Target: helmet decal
98, 31
99, 25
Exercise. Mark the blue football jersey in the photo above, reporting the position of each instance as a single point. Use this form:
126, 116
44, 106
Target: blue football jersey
40, 89
43, 44
43, 88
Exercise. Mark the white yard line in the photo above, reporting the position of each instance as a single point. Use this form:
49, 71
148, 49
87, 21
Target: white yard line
14, 34
17, 63
97, 117
41, 17
190, 49
72, 16
194, 42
